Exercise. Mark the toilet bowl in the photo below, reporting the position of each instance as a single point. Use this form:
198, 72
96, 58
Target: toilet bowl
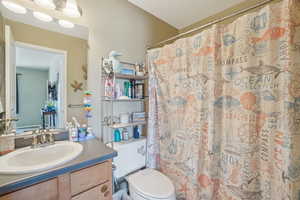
145, 184
150, 184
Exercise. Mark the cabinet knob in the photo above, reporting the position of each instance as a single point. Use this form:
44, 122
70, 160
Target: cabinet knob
104, 188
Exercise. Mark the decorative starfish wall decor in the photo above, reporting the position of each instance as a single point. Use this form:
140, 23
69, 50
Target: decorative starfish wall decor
77, 86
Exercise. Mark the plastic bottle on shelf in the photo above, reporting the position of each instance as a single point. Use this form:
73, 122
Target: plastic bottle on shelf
117, 135
125, 134
130, 90
132, 82
118, 92
136, 132
126, 88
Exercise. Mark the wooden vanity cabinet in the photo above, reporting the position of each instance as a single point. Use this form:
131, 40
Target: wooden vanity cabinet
88, 183
43, 191
100, 192
91, 183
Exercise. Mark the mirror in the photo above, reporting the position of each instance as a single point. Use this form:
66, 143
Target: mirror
35, 85
39, 87
36, 63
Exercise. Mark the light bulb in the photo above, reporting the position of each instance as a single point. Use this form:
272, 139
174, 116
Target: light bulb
71, 9
65, 23
16, 8
46, 4
42, 16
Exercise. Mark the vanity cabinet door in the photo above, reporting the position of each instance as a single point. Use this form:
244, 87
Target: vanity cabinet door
43, 191
101, 192
90, 177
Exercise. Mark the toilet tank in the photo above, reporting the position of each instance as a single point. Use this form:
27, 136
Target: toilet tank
131, 156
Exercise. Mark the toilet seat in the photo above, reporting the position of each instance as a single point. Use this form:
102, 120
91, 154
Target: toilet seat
151, 184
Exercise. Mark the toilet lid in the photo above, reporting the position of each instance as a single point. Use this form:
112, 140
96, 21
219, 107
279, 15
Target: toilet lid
152, 183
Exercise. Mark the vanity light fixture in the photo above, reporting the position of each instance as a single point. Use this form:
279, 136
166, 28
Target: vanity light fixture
46, 4
42, 16
14, 7
65, 23
71, 9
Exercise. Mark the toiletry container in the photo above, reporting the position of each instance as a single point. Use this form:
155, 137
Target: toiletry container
7, 143
146, 184
126, 88
117, 135
118, 92
136, 132
130, 90
125, 134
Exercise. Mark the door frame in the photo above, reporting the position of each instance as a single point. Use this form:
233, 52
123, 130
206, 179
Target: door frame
7, 36
64, 76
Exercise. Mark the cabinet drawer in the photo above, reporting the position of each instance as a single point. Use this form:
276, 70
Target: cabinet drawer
102, 192
90, 177
47, 190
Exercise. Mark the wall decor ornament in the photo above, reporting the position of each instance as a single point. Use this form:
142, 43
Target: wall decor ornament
77, 86
87, 101
85, 72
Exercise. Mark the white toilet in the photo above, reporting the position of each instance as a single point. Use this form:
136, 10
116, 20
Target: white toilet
146, 184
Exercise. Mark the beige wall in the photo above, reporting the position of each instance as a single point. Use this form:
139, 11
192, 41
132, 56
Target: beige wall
241, 6
77, 56
117, 25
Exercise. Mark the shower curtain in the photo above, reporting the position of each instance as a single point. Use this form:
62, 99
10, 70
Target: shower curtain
224, 111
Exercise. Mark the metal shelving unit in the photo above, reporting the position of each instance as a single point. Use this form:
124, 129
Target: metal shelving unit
123, 100
130, 77
110, 106
120, 125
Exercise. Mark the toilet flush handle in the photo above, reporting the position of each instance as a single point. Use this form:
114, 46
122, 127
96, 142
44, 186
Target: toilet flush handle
141, 150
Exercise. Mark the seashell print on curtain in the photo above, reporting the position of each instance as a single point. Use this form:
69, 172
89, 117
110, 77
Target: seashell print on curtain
224, 121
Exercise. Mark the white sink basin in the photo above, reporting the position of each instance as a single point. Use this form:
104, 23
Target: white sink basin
28, 160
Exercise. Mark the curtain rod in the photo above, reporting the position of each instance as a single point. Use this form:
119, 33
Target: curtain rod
209, 24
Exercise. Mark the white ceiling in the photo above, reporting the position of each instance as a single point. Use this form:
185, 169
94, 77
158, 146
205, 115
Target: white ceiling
182, 13
33, 58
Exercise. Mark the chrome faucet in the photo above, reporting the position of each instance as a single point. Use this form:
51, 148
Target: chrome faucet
42, 138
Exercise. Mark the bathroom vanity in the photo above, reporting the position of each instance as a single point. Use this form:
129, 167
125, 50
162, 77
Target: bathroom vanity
87, 177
